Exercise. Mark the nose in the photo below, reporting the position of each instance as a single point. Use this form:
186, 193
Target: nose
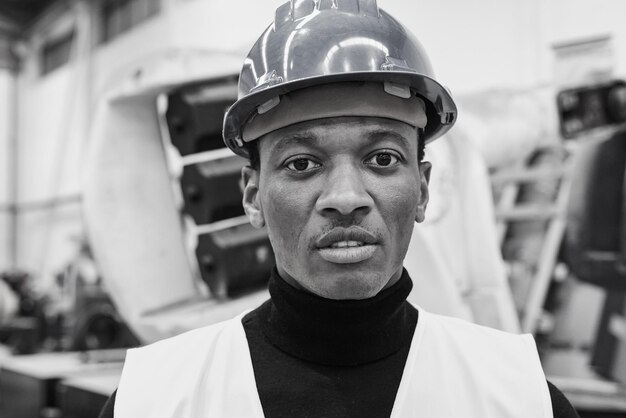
345, 192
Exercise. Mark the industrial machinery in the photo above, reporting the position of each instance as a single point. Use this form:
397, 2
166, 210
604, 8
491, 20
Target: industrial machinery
595, 247
586, 108
161, 198
232, 256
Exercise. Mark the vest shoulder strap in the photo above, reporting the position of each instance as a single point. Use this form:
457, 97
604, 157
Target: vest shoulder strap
201, 373
456, 368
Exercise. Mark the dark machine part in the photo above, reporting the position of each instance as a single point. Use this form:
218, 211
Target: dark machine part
91, 323
595, 245
24, 333
238, 257
21, 283
596, 232
98, 326
89, 320
76, 402
22, 395
606, 345
194, 118
233, 258
211, 190
585, 108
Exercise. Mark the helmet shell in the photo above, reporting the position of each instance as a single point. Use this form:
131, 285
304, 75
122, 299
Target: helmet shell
327, 41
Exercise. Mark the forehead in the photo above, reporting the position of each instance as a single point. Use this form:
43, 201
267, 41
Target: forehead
338, 132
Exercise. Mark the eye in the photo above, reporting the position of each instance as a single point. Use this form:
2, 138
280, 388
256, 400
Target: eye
382, 159
302, 164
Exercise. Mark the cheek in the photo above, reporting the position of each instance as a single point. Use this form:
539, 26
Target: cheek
398, 203
285, 213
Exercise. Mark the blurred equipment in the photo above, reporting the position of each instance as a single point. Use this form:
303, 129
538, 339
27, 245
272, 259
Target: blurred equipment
596, 242
455, 253
454, 256
596, 239
79, 313
151, 199
592, 118
594, 250
24, 332
233, 257
85, 394
74, 314
531, 211
586, 108
9, 302
534, 197
34, 385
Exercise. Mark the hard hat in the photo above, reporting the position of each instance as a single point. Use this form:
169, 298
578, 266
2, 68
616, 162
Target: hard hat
327, 41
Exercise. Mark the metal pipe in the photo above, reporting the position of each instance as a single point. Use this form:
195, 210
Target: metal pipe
13, 168
45, 204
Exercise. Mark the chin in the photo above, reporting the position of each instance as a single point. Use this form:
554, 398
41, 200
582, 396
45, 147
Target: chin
355, 288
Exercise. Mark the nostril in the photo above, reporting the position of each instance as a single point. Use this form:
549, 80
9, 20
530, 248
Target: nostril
343, 207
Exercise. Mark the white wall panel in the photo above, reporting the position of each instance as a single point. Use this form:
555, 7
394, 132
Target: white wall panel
113, 60
50, 136
473, 45
223, 26
576, 20
48, 242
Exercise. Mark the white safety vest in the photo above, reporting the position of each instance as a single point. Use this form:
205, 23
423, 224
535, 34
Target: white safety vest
454, 369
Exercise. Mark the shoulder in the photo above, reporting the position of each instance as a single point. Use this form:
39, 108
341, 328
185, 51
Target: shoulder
186, 341
480, 367
179, 363
180, 355
464, 330
491, 353
561, 407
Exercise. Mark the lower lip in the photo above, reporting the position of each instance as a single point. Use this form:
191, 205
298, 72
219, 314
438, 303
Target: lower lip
347, 255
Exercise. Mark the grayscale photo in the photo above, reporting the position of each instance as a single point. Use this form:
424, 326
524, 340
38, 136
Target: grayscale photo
312, 209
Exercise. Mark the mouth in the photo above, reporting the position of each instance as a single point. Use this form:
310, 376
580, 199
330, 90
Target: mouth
344, 244
347, 245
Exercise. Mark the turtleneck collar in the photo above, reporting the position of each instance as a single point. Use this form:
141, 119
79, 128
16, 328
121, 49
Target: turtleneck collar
339, 332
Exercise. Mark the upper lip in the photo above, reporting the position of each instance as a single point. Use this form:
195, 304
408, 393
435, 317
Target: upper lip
338, 234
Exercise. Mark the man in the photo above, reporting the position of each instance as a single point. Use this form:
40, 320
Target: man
336, 103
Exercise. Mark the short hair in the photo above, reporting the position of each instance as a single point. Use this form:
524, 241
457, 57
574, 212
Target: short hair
254, 158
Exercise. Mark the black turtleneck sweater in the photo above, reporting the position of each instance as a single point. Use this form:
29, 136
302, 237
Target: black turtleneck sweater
315, 357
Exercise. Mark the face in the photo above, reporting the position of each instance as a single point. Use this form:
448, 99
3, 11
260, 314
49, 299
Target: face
339, 197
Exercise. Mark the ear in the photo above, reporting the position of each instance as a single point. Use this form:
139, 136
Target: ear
424, 168
251, 199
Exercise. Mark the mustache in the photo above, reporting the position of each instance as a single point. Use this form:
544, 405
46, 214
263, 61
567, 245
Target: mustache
351, 233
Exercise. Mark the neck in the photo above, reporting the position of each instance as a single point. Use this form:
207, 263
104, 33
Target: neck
339, 332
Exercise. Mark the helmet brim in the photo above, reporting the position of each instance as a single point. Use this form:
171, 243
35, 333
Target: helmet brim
441, 110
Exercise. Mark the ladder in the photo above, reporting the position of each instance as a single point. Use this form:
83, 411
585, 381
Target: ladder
510, 211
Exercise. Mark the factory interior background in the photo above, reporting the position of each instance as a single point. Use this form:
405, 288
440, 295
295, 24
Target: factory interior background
120, 209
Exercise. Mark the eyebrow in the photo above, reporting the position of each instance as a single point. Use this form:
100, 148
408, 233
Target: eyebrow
380, 134
295, 138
